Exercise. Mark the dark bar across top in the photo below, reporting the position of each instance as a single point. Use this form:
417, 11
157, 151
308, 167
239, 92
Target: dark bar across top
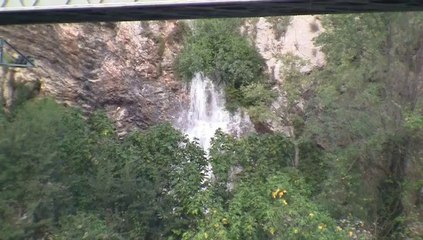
193, 10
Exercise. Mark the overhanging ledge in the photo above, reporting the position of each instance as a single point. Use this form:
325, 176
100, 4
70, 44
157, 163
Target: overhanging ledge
183, 9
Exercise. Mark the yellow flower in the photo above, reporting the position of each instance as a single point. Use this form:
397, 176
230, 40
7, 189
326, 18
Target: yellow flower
284, 202
225, 221
350, 233
320, 227
275, 193
295, 230
206, 235
338, 228
216, 225
280, 194
284, 191
311, 215
272, 231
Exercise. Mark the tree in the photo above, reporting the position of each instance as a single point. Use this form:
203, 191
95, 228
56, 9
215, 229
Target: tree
254, 195
70, 177
35, 171
371, 83
295, 87
217, 49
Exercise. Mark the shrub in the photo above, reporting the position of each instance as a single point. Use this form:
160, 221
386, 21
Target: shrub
84, 226
279, 25
217, 49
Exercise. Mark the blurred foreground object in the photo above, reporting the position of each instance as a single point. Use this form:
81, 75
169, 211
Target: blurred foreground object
49, 11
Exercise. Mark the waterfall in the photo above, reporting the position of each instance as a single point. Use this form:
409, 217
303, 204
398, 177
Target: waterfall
207, 113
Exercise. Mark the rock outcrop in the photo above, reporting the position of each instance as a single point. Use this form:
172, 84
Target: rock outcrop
124, 68
275, 37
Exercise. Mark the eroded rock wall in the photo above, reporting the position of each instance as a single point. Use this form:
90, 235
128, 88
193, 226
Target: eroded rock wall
275, 37
124, 68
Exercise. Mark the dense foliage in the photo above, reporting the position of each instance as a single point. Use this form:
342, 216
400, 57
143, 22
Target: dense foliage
362, 106
352, 167
216, 48
256, 195
66, 177
357, 129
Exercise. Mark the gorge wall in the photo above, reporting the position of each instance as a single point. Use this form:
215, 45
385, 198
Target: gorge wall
126, 68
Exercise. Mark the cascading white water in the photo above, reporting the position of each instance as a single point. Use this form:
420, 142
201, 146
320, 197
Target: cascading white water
207, 112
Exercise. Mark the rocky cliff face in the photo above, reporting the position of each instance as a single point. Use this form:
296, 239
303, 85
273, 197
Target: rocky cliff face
275, 37
124, 68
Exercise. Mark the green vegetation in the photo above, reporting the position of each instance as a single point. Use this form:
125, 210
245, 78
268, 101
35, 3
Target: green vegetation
66, 177
257, 195
352, 167
256, 99
360, 109
279, 25
356, 125
216, 48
